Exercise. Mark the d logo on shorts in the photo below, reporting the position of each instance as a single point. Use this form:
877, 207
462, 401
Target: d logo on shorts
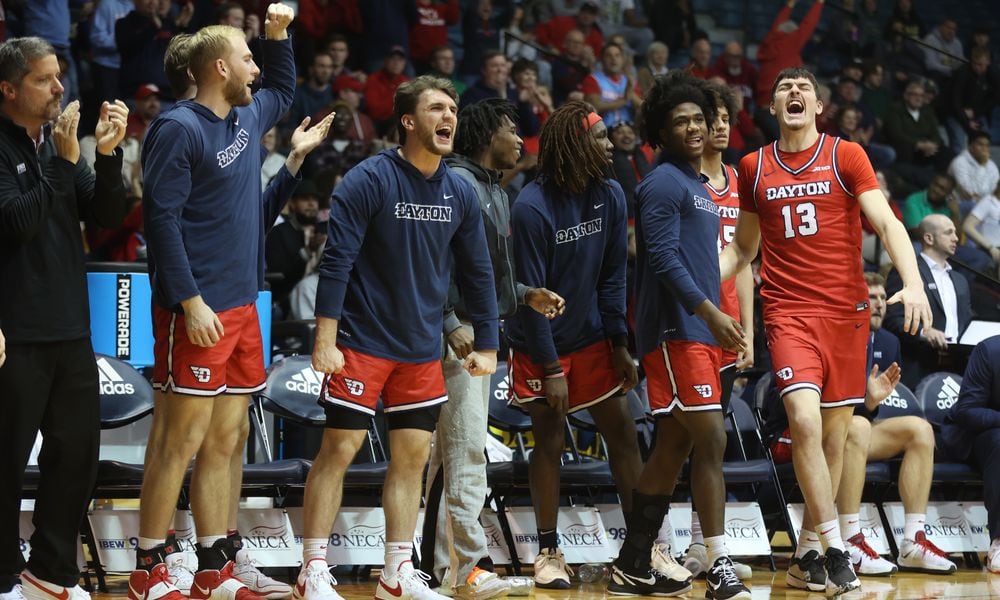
534, 385
354, 387
202, 374
705, 391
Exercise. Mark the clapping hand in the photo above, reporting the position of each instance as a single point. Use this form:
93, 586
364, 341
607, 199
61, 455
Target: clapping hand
111, 125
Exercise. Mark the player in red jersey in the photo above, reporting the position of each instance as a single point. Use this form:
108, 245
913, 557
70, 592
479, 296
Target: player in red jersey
803, 195
736, 298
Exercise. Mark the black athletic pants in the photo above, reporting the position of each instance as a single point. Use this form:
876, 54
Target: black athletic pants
52, 388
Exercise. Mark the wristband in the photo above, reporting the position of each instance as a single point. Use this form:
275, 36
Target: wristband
555, 375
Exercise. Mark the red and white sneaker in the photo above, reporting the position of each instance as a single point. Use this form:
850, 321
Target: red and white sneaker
920, 554
152, 585
245, 569
34, 588
865, 559
408, 584
220, 585
315, 582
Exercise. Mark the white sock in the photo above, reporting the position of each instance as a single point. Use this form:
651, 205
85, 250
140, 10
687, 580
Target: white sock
150, 543
716, 545
666, 533
808, 540
209, 540
396, 554
314, 548
697, 537
850, 525
914, 524
829, 535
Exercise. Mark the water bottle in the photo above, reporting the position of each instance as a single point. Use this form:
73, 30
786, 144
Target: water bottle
520, 586
591, 573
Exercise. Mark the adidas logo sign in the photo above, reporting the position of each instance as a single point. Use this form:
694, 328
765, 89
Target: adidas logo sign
111, 383
306, 381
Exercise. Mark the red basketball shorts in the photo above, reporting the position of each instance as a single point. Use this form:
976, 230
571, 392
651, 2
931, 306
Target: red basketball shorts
235, 365
590, 376
683, 375
824, 354
402, 386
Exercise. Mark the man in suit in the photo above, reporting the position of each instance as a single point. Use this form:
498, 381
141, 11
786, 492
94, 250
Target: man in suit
950, 300
971, 431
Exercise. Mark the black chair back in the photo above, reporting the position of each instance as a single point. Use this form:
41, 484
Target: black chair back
292, 390
900, 403
936, 393
126, 396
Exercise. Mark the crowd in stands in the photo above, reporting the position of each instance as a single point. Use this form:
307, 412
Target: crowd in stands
921, 98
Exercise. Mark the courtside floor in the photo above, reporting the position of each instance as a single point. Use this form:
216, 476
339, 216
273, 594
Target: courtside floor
765, 586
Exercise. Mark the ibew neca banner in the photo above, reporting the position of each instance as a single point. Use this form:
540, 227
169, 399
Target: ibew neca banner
946, 526
357, 537
582, 536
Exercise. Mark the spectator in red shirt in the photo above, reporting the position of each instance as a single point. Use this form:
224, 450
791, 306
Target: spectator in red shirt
737, 71
781, 48
431, 29
381, 87
147, 108
320, 18
552, 32
701, 59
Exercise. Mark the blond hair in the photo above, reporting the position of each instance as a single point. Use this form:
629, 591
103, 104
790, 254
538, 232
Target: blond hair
209, 45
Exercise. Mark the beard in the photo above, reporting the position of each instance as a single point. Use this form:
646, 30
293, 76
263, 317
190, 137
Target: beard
236, 93
427, 140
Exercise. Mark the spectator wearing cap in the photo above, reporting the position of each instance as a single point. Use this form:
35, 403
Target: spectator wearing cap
142, 37
552, 32
430, 31
381, 86
286, 248
313, 94
147, 108
348, 92
495, 83
341, 150
442, 64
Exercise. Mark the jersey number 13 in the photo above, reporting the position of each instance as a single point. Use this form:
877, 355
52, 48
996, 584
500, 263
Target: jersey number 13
805, 213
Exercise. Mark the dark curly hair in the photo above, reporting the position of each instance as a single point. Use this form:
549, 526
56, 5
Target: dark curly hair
668, 92
725, 98
567, 161
478, 122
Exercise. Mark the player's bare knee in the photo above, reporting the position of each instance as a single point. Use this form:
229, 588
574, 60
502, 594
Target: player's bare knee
710, 445
859, 433
922, 433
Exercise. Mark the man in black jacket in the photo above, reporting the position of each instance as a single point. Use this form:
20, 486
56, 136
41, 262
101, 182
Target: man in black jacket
486, 142
50, 382
950, 300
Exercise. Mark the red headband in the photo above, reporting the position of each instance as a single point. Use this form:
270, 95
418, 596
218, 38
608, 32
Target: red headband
590, 120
